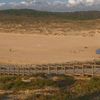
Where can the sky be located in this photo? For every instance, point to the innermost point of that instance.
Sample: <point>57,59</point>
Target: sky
<point>51,5</point>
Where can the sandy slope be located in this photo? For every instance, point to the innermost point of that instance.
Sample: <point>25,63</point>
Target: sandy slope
<point>19,48</point>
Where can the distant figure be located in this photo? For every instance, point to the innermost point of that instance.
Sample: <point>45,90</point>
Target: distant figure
<point>98,51</point>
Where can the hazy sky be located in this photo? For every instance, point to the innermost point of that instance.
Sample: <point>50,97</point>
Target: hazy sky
<point>52,5</point>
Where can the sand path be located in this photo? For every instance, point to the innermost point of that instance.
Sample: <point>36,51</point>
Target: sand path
<point>36,49</point>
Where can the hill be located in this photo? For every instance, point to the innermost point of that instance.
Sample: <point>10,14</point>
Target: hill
<point>39,22</point>
<point>82,15</point>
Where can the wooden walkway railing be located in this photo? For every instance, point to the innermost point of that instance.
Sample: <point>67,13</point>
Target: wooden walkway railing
<point>67,69</point>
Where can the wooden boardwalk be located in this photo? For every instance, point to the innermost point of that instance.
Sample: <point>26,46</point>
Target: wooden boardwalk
<point>67,69</point>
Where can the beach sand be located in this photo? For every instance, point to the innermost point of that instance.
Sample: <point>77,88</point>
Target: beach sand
<point>40,49</point>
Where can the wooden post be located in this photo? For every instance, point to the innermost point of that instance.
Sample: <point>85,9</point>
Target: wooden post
<point>48,69</point>
<point>29,71</point>
<point>19,70</point>
<point>35,69</point>
<point>9,70</point>
<point>56,69</point>
<point>41,69</point>
<point>0,70</point>
<point>23,71</point>
<point>64,69</point>
<point>73,70</point>
<point>32,69</point>
<point>83,72</point>
<point>92,70</point>
<point>14,70</point>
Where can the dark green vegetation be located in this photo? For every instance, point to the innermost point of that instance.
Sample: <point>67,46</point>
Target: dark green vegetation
<point>36,22</point>
<point>60,87</point>
<point>82,15</point>
<point>36,82</point>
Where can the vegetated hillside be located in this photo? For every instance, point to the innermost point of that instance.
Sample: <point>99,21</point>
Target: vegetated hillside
<point>82,15</point>
<point>37,22</point>
<point>49,87</point>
